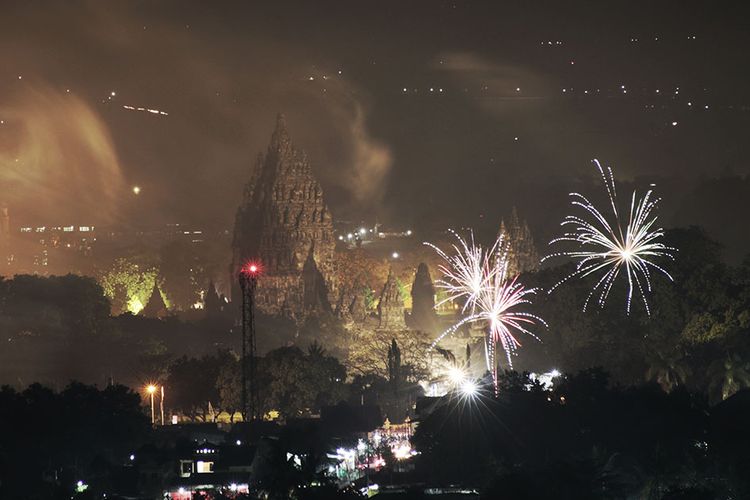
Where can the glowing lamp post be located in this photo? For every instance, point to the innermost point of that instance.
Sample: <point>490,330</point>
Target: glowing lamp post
<point>248,281</point>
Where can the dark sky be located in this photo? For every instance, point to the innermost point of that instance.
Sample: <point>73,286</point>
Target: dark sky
<point>423,114</point>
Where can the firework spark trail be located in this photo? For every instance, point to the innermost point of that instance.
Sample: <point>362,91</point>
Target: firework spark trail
<point>148,110</point>
<point>604,246</point>
<point>502,309</point>
<point>481,278</point>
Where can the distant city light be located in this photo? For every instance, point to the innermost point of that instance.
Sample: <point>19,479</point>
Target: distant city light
<point>394,255</point>
<point>136,190</point>
<point>362,230</point>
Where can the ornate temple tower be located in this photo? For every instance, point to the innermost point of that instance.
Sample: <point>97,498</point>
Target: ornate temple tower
<point>522,253</point>
<point>391,305</point>
<point>284,224</point>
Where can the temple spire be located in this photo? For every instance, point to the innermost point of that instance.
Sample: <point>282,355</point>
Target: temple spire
<point>155,307</point>
<point>280,140</point>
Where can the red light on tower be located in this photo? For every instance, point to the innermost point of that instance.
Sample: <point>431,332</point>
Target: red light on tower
<point>248,281</point>
<point>252,268</point>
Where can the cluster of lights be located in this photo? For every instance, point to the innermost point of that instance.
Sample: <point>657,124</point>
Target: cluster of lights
<point>461,381</point>
<point>547,379</point>
<point>433,90</point>
<point>361,233</point>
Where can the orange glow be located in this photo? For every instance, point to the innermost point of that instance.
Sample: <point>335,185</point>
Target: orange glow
<point>151,388</point>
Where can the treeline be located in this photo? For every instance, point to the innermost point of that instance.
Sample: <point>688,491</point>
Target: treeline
<point>587,439</point>
<point>51,440</point>
<point>291,383</point>
<point>59,328</point>
<point>697,334</point>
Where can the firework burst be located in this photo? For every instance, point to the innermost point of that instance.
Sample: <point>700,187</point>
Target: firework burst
<point>479,277</point>
<point>607,250</point>
<point>464,273</point>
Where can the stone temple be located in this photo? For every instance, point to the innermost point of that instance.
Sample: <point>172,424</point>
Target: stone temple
<point>522,253</point>
<point>284,225</point>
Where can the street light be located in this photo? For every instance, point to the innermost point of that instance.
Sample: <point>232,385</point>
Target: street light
<point>151,389</point>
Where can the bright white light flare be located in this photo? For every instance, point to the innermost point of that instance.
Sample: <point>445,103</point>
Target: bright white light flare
<point>469,388</point>
<point>456,375</point>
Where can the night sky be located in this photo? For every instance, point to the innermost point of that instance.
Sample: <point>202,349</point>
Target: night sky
<point>423,114</point>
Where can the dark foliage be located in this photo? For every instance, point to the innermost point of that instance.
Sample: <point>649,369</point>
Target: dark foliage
<point>587,439</point>
<point>50,440</point>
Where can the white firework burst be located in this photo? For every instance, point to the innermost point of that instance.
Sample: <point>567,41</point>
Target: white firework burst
<point>607,250</point>
<point>464,273</point>
<point>480,278</point>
